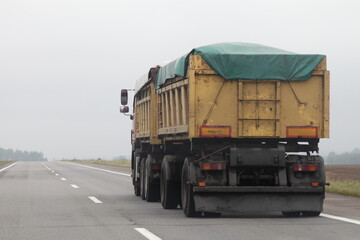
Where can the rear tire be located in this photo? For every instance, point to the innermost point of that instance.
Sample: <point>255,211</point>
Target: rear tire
<point>187,195</point>
<point>169,190</point>
<point>291,214</point>
<point>152,190</point>
<point>136,185</point>
<point>135,179</point>
<point>142,179</point>
<point>310,214</point>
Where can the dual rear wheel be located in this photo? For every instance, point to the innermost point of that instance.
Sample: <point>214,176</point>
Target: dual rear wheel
<point>169,187</point>
<point>187,194</point>
<point>174,193</point>
<point>148,190</point>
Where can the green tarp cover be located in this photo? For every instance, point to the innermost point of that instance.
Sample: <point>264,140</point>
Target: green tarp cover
<point>246,61</point>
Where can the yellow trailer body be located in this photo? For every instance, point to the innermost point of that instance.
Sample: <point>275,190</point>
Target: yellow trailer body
<point>204,102</point>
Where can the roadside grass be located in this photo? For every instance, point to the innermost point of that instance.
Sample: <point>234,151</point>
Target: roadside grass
<point>5,162</point>
<point>349,189</point>
<point>343,179</point>
<point>121,163</point>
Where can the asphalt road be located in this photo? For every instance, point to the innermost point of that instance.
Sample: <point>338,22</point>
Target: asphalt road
<point>57,200</point>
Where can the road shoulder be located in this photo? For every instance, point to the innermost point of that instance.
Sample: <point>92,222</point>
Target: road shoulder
<point>342,206</point>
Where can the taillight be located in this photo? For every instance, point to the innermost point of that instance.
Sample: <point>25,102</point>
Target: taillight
<point>302,132</point>
<point>202,184</point>
<point>215,131</point>
<point>305,168</point>
<point>155,166</point>
<point>213,166</point>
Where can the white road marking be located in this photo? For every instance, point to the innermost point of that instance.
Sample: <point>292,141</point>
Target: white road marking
<point>104,170</point>
<point>146,233</point>
<point>56,174</point>
<point>45,166</point>
<point>74,186</point>
<point>64,179</point>
<point>52,171</point>
<point>95,200</point>
<point>348,220</point>
<point>3,169</point>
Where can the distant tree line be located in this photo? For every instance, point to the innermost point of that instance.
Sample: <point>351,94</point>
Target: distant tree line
<point>121,157</point>
<point>17,155</point>
<point>344,158</point>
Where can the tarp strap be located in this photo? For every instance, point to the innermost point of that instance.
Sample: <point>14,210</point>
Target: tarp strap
<point>296,97</point>
<point>213,104</point>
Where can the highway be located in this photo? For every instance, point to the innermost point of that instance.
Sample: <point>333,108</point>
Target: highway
<point>59,200</point>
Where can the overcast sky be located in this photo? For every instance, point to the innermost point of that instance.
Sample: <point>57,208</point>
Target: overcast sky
<point>63,62</point>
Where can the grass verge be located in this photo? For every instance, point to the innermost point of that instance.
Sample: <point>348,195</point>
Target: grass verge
<point>121,163</point>
<point>344,188</point>
<point>5,162</point>
<point>343,179</point>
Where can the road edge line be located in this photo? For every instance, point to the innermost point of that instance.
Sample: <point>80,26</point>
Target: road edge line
<point>343,219</point>
<point>3,169</point>
<point>99,169</point>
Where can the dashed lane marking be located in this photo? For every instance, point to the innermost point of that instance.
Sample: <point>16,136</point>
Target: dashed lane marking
<point>74,186</point>
<point>94,199</point>
<point>64,179</point>
<point>46,166</point>
<point>146,233</point>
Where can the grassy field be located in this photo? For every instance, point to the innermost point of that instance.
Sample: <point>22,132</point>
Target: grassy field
<point>121,163</point>
<point>5,162</point>
<point>343,179</point>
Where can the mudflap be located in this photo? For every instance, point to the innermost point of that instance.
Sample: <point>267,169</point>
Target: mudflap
<point>258,202</point>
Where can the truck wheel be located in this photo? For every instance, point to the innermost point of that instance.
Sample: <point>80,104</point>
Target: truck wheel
<point>291,214</point>
<point>135,179</point>
<point>136,185</point>
<point>152,190</point>
<point>142,179</point>
<point>187,195</point>
<point>310,214</point>
<point>169,190</point>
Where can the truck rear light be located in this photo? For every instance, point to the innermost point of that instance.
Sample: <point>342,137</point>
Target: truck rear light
<point>215,131</point>
<point>213,166</point>
<point>305,168</point>
<point>302,132</point>
<point>202,184</point>
<point>155,166</point>
<point>315,184</point>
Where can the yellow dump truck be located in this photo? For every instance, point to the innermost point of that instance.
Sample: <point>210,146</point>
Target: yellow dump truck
<point>231,128</point>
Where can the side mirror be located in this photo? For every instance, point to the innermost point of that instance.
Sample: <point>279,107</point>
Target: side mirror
<point>124,109</point>
<point>124,97</point>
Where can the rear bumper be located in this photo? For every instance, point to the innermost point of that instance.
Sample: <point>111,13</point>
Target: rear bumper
<point>255,189</point>
<point>258,199</point>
